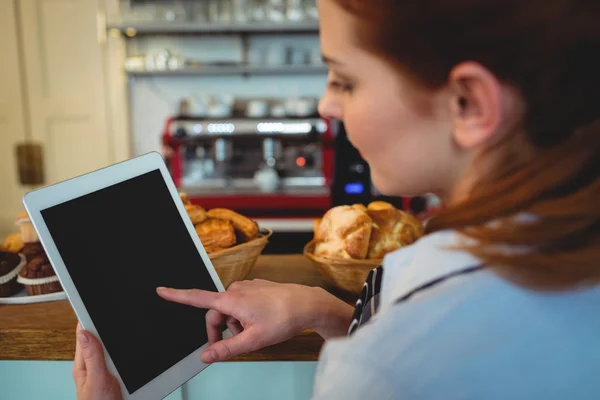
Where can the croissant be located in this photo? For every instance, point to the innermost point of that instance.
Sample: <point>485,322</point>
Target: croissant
<point>196,214</point>
<point>244,226</point>
<point>361,232</point>
<point>344,232</point>
<point>392,229</point>
<point>216,234</point>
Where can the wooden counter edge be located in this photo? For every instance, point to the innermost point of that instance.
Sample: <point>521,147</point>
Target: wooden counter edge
<point>59,345</point>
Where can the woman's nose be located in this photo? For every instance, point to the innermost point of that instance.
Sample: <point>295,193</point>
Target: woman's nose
<point>329,108</point>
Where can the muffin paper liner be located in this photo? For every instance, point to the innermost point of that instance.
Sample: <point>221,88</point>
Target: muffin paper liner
<point>11,275</point>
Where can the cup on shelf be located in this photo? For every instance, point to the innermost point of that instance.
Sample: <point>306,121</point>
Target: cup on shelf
<point>175,12</point>
<point>290,107</point>
<point>161,60</point>
<point>135,63</point>
<point>306,107</point>
<point>294,11</point>
<point>176,62</point>
<point>275,11</point>
<point>219,111</point>
<point>311,12</point>
<point>240,11</point>
<point>256,11</point>
<point>257,109</point>
<point>277,110</point>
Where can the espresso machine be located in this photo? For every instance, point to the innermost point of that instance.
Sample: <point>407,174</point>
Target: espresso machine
<point>262,166</point>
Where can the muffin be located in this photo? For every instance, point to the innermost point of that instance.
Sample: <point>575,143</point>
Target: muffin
<point>11,265</point>
<point>28,233</point>
<point>31,250</point>
<point>39,277</point>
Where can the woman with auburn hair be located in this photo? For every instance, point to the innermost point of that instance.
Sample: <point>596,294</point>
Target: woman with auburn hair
<point>494,105</point>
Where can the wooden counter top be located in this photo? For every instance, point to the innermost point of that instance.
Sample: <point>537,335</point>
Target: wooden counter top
<point>46,331</point>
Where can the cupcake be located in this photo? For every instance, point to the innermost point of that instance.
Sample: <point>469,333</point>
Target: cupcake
<point>28,233</point>
<point>39,277</point>
<point>30,250</point>
<point>11,265</point>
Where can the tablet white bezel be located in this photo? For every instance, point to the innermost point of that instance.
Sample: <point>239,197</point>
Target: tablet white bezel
<point>42,199</point>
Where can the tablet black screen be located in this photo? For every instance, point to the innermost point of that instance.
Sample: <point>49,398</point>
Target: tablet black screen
<point>119,244</point>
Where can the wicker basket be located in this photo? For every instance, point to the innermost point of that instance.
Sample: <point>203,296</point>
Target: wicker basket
<point>346,274</point>
<point>235,263</point>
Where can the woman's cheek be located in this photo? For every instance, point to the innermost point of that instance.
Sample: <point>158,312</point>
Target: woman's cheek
<point>357,129</point>
<point>364,135</point>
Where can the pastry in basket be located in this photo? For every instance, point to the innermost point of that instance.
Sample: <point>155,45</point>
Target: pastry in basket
<point>216,234</point>
<point>316,226</point>
<point>39,277</point>
<point>244,227</point>
<point>10,266</point>
<point>392,229</point>
<point>344,232</point>
<point>379,205</point>
<point>359,232</point>
<point>197,214</point>
<point>360,207</point>
<point>317,222</point>
<point>184,198</point>
<point>13,243</point>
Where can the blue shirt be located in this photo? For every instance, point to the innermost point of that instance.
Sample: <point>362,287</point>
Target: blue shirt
<point>473,336</point>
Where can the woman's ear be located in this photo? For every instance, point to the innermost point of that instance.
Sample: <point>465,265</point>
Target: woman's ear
<point>477,106</point>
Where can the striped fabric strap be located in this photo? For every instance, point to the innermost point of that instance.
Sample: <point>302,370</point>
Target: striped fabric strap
<point>368,302</point>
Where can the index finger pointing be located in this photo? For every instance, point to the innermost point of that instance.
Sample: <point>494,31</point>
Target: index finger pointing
<point>194,297</point>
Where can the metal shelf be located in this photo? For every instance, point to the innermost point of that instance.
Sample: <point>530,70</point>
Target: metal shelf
<point>235,70</point>
<point>207,28</point>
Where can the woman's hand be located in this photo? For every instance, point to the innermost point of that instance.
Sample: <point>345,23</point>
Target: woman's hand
<point>92,378</point>
<point>261,313</point>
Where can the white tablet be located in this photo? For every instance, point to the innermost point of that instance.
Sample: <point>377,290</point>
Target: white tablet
<point>113,237</point>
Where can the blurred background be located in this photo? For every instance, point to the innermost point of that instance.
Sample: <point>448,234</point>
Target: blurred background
<point>226,90</point>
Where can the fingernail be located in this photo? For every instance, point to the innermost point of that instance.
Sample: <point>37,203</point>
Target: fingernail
<point>209,356</point>
<point>161,288</point>
<point>82,338</point>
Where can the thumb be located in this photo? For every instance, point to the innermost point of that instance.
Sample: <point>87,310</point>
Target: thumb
<point>91,353</point>
<point>228,348</point>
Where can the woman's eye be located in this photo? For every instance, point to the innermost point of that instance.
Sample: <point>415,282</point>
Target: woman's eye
<point>340,87</point>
